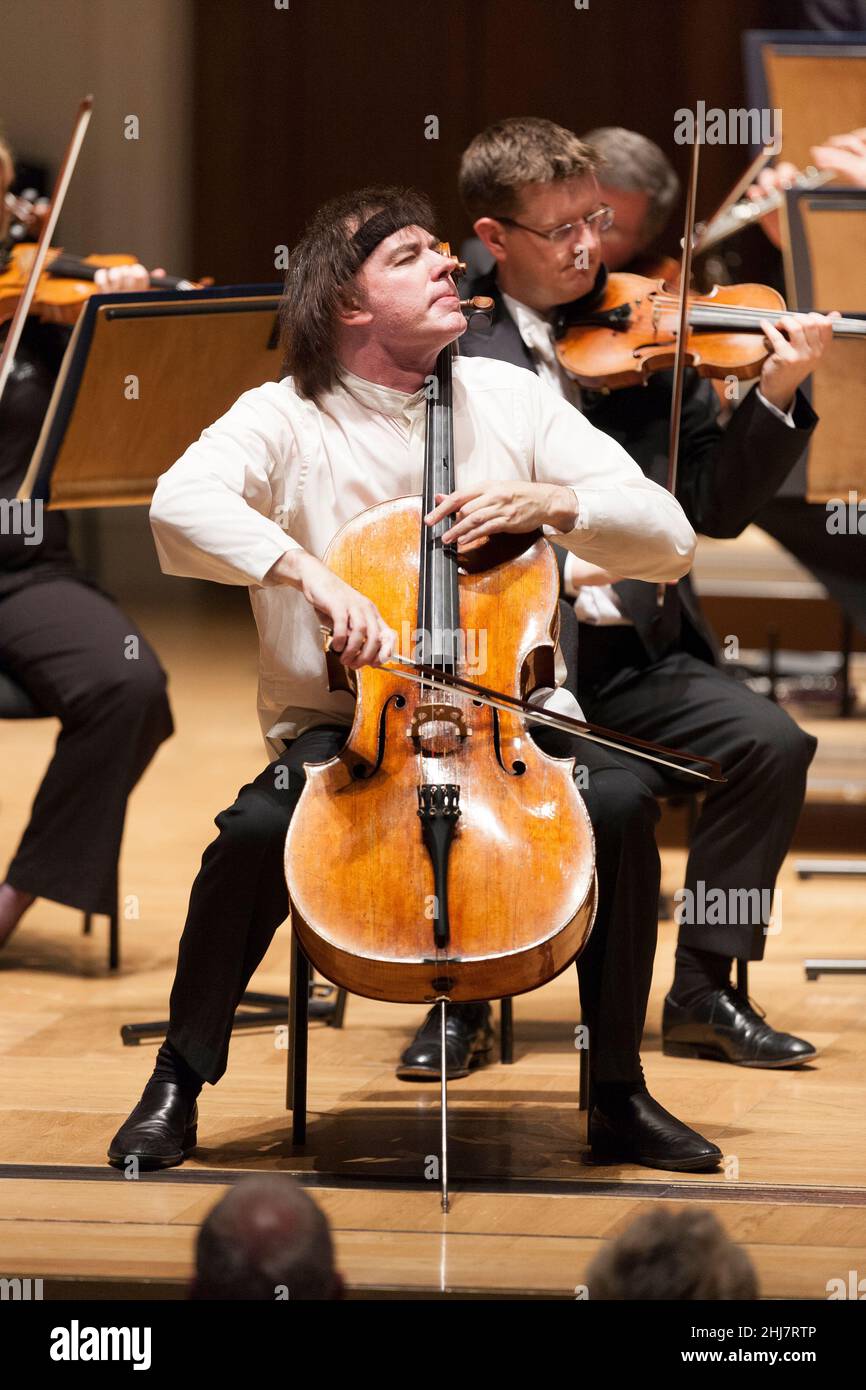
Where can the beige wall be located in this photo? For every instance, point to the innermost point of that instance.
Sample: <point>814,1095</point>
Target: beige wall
<point>134,57</point>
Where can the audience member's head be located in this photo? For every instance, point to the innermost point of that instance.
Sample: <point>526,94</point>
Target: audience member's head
<point>266,1239</point>
<point>682,1254</point>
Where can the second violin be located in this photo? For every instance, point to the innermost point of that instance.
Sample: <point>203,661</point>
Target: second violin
<point>631,331</point>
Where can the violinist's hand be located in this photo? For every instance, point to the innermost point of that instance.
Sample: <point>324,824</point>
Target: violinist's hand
<point>798,344</point>
<point>780,176</point>
<point>361,637</point>
<point>124,279</point>
<point>504,506</point>
<point>845,155</point>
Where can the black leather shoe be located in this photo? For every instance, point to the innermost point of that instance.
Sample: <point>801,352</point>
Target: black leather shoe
<point>725,1028</point>
<point>160,1132</point>
<point>642,1131</point>
<point>468,1040</point>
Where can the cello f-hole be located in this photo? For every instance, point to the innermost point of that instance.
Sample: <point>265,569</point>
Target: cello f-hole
<point>518,767</point>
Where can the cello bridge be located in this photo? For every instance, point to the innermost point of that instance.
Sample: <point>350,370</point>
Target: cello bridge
<point>438,727</point>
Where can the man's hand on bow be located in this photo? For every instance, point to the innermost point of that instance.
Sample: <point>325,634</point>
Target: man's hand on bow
<point>361,637</point>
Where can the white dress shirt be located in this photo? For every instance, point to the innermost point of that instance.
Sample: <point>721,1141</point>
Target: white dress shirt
<point>593,603</point>
<point>279,471</point>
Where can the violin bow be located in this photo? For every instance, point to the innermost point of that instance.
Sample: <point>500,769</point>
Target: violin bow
<point>432,677</point>
<point>22,309</point>
<point>682,336</point>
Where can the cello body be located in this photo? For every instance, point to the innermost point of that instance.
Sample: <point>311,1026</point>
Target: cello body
<point>441,853</point>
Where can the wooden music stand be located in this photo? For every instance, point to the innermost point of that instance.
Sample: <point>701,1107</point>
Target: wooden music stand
<point>817,81</point>
<point>824,250</point>
<point>142,377</point>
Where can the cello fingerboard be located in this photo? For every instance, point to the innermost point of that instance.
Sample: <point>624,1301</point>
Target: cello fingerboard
<point>438,592</point>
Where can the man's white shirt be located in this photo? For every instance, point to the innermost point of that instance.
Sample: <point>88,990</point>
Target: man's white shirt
<point>279,471</point>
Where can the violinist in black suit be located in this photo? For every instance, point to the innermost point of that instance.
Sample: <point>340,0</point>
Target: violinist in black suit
<point>72,650</point>
<point>530,188</point>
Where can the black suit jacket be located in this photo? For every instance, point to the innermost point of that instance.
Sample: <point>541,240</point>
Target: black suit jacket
<point>724,476</point>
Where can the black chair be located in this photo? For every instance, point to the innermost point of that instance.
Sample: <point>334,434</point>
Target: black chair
<point>299,1016</point>
<point>300,1012</point>
<point>15,703</point>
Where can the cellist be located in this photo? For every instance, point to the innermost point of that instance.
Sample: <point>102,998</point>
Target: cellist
<point>369,303</point>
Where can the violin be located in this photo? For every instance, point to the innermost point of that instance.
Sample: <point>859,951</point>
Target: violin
<point>632,331</point>
<point>66,283</point>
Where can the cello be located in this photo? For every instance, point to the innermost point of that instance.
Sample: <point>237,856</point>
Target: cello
<point>440,809</point>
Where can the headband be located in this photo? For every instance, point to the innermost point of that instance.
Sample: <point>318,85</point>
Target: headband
<point>379,227</point>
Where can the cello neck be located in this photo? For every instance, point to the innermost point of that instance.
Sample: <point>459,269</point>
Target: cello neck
<point>438,592</point>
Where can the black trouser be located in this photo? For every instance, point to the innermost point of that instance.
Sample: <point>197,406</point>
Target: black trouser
<point>66,644</point>
<point>239,899</point>
<point>745,827</point>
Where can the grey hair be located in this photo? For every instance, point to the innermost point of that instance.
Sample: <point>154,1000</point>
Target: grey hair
<point>635,164</point>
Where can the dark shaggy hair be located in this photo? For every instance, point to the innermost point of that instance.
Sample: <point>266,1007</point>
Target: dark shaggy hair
<point>321,269</point>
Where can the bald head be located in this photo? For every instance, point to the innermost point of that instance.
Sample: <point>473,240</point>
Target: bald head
<point>266,1239</point>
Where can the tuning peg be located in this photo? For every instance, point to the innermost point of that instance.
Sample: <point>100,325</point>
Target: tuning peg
<point>478,311</point>
<point>479,304</point>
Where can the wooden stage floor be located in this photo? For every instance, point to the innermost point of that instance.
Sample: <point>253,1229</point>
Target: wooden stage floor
<point>527,1215</point>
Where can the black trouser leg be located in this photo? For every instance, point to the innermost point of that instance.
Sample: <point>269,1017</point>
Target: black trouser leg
<point>85,661</point>
<point>746,825</point>
<point>238,900</point>
<point>615,967</point>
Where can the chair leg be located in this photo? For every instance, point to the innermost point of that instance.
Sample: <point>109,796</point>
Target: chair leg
<point>114,941</point>
<point>299,999</point>
<point>506,1032</point>
<point>743,977</point>
<point>113,936</point>
<point>846,694</point>
<point>336,1019</point>
<point>584,1084</point>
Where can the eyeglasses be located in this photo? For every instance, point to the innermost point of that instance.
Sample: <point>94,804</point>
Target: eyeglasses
<point>596,222</point>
